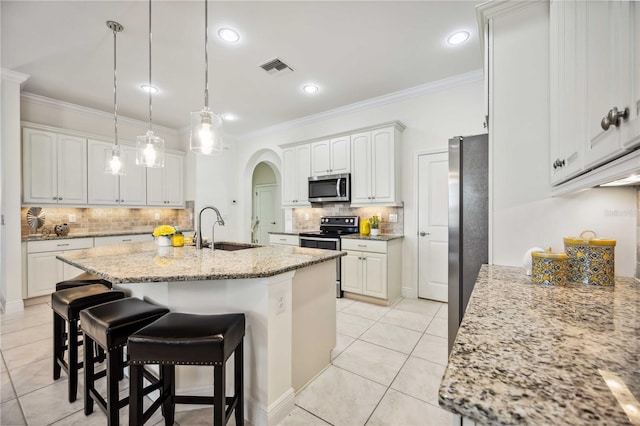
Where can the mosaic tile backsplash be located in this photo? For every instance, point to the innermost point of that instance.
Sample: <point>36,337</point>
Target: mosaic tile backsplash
<point>308,219</point>
<point>90,220</point>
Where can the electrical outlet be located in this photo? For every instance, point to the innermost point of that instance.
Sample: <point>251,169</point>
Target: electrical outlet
<point>72,218</point>
<point>393,218</point>
<point>156,216</point>
<point>306,216</point>
<point>281,305</point>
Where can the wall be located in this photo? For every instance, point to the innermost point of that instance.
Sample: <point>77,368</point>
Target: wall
<point>523,213</point>
<point>308,219</point>
<point>263,175</point>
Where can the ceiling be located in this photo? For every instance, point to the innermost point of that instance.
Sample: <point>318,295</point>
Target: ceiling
<point>352,50</point>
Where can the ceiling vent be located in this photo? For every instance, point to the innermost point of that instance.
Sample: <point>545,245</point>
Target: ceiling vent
<point>276,67</point>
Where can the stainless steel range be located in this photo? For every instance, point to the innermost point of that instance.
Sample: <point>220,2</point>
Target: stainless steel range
<point>328,237</point>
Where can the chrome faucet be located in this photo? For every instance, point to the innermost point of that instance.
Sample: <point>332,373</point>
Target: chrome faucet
<point>219,220</point>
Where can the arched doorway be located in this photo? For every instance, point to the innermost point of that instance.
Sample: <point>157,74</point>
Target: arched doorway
<point>265,206</point>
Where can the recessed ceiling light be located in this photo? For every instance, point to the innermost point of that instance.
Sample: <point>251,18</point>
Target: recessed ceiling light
<point>147,88</point>
<point>229,117</point>
<point>310,88</point>
<point>458,38</point>
<point>227,34</point>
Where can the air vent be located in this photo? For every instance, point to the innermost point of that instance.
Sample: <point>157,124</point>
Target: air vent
<point>276,66</point>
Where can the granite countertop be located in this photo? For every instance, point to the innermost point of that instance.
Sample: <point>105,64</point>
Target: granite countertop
<point>53,236</point>
<point>285,233</point>
<point>534,354</point>
<point>381,237</point>
<point>146,262</point>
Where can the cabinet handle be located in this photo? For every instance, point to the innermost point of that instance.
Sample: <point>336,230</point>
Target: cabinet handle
<point>615,116</point>
<point>283,239</point>
<point>424,234</point>
<point>362,245</point>
<point>59,198</point>
<point>62,245</point>
<point>54,198</point>
<point>558,163</point>
<point>126,239</point>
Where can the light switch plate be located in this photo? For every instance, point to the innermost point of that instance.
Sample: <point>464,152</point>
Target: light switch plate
<point>156,216</point>
<point>393,218</point>
<point>72,218</point>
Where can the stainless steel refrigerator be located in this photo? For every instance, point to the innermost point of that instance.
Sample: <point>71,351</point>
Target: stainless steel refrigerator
<point>468,221</point>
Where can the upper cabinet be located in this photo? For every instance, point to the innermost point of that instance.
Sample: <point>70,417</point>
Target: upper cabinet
<point>54,168</point>
<point>332,156</point>
<point>295,176</point>
<point>165,186</point>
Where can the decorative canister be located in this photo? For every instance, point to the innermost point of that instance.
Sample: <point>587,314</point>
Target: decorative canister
<point>591,260</point>
<point>365,227</point>
<point>61,230</point>
<point>178,239</point>
<point>549,268</point>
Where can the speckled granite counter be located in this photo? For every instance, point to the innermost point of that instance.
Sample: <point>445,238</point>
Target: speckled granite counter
<point>53,236</point>
<point>285,233</point>
<point>540,355</point>
<point>146,262</point>
<point>381,237</point>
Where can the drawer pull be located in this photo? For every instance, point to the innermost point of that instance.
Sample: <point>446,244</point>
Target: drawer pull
<point>126,239</point>
<point>362,245</point>
<point>283,239</point>
<point>62,245</point>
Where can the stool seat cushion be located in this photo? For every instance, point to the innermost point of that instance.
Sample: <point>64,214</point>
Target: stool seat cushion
<point>63,285</point>
<point>68,303</point>
<point>110,324</point>
<point>187,339</point>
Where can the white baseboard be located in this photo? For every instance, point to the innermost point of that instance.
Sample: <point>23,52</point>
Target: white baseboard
<point>13,306</point>
<point>409,292</point>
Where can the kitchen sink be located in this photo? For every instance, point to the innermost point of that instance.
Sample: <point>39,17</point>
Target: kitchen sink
<point>229,247</point>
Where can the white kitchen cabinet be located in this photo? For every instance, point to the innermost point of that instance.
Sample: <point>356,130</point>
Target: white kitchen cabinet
<point>284,240</point>
<point>372,268</point>
<point>165,186</point>
<point>44,270</point>
<point>126,190</point>
<point>122,239</point>
<point>296,169</point>
<point>54,168</point>
<point>375,167</point>
<point>332,156</point>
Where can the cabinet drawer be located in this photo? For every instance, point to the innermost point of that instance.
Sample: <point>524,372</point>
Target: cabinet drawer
<point>284,240</point>
<point>120,239</point>
<point>59,245</point>
<point>364,245</point>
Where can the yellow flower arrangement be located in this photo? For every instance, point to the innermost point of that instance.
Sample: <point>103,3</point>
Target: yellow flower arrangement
<point>164,231</point>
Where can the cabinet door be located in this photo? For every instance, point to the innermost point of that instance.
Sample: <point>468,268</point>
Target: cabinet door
<point>174,180</point>
<point>103,188</point>
<point>69,272</point>
<point>361,168</point>
<point>631,129</point>
<point>303,170</point>
<point>351,272</point>
<point>375,275</point>
<point>155,186</point>
<point>39,167</point>
<point>320,158</point>
<point>383,167</point>
<point>341,155</point>
<point>72,170</point>
<point>133,185</point>
<point>44,271</point>
<point>289,177</point>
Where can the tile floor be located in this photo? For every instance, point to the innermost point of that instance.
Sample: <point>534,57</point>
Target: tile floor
<point>386,370</point>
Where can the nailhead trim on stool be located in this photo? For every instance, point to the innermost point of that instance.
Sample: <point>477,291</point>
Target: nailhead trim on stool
<point>66,306</point>
<point>188,339</point>
<point>109,325</point>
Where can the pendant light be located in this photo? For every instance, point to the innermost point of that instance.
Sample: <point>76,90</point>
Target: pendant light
<point>114,164</point>
<point>149,147</point>
<point>206,126</point>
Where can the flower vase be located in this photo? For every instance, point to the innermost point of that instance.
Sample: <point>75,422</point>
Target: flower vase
<point>164,241</point>
<point>375,232</point>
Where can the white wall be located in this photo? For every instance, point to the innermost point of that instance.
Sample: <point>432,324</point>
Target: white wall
<point>524,215</point>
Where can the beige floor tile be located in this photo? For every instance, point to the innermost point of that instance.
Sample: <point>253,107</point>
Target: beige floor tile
<point>342,303</point>
<point>26,354</point>
<point>6,389</point>
<point>28,335</point>
<point>351,325</point>
<point>20,323</point>
<point>438,327</point>
<point>27,312</point>
<point>392,337</point>
<point>432,348</point>
<point>341,398</point>
<point>399,409</point>
<point>406,319</point>
<point>420,379</point>
<point>10,414</point>
<point>50,404</point>
<point>419,306</point>
<point>342,342</point>
<point>197,417</point>
<point>34,376</point>
<point>366,310</point>
<point>3,367</point>
<point>299,417</point>
<point>443,312</point>
<point>371,361</point>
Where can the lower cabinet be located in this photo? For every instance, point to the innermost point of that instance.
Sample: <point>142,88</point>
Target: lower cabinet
<point>120,239</point>
<point>284,240</point>
<point>372,268</point>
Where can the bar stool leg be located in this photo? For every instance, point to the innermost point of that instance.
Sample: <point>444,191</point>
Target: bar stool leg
<point>72,342</point>
<point>89,372</point>
<point>113,365</point>
<point>135,396</point>
<point>238,367</point>
<point>219,397</point>
<point>58,343</point>
<point>168,378</point>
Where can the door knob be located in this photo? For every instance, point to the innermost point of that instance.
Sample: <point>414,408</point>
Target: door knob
<point>616,116</point>
<point>423,234</point>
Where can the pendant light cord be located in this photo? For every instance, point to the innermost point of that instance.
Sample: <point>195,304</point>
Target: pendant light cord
<point>115,88</point>
<point>206,54</point>
<point>150,86</point>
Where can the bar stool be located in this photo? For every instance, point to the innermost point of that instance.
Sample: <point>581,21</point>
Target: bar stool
<point>66,306</point>
<point>187,339</point>
<point>108,326</point>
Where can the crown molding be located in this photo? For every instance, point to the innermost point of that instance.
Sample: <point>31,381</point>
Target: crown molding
<point>424,89</point>
<point>58,104</point>
<point>14,76</point>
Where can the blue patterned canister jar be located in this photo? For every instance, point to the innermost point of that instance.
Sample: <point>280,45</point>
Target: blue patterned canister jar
<point>549,268</point>
<point>591,260</point>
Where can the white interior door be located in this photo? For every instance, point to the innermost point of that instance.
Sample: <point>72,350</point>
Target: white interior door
<point>433,221</point>
<point>266,203</point>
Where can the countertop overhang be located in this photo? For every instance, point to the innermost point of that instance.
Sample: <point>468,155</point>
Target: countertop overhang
<point>146,262</point>
<point>534,354</point>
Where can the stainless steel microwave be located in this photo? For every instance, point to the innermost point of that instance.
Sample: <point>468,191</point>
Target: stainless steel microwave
<point>328,188</point>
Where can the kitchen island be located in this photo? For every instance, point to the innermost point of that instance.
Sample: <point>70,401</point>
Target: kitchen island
<point>533,354</point>
<point>286,293</point>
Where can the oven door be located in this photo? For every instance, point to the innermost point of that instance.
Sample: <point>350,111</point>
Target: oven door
<point>326,244</point>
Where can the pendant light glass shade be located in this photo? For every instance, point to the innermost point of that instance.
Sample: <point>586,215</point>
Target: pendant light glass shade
<point>149,147</point>
<point>114,164</point>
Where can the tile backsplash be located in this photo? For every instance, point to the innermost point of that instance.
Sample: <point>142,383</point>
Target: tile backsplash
<point>89,220</point>
<point>308,219</point>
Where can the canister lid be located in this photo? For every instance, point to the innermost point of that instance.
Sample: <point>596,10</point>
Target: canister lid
<point>584,240</point>
<point>548,255</point>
